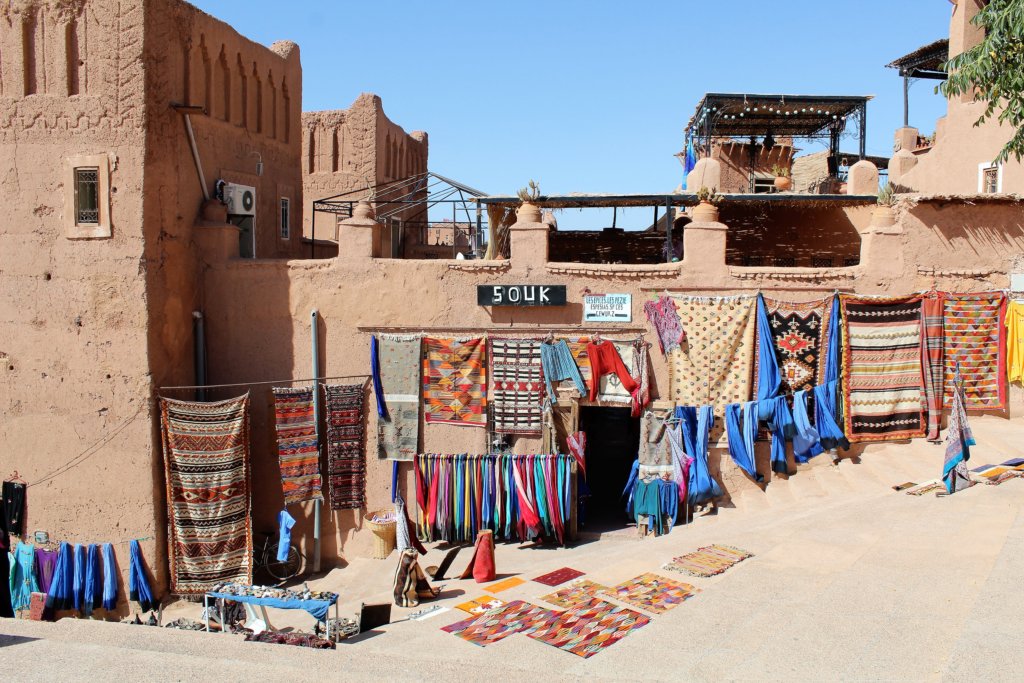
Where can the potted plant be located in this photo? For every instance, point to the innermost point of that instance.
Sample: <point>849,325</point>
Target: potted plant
<point>783,183</point>
<point>529,211</point>
<point>707,210</point>
<point>883,215</point>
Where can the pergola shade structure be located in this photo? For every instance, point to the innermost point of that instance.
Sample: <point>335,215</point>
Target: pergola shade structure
<point>759,119</point>
<point>928,61</point>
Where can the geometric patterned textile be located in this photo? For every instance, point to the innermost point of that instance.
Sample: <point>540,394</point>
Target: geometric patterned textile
<point>206,460</point>
<point>800,338</point>
<point>932,365</point>
<point>517,391</point>
<point>559,576</point>
<point>296,444</point>
<point>708,561</point>
<point>975,336</point>
<point>712,367</point>
<point>346,458</point>
<point>485,603</point>
<point>578,349</point>
<point>579,591</point>
<point>651,592</point>
<point>513,617</point>
<point>398,432</point>
<point>455,381</point>
<point>882,380</point>
<point>588,627</point>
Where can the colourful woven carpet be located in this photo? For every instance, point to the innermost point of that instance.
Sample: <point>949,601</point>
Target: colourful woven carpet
<point>485,603</point>
<point>513,617</point>
<point>346,457</point>
<point>297,449</point>
<point>927,487</point>
<point>932,363</point>
<point>580,591</point>
<point>713,365</point>
<point>800,338</point>
<point>517,392</point>
<point>206,458</point>
<point>652,592</point>
<point>883,388</point>
<point>708,561</point>
<point>588,627</point>
<point>398,432</point>
<point>559,576</point>
<point>505,584</point>
<point>455,381</point>
<point>975,336</point>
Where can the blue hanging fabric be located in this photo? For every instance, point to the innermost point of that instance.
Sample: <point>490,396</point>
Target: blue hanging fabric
<point>109,577</point>
<point>378,392</point>
<point>669,502</point>
<point>690,160</point>
<point>737,443</point>
<point>138,584</point>
<point>628,492</point>
<point>394,481</point>
<point>834,344</point>
<point>701,486</point>
<point>780,423</point>
<point>93,590</point>
<point>688,423</point>
<point>750,434</point>
<point>78,582</point>
<point>829,432</point>
<point>59,596</point>
<point>806,443</point>
<point>769,379</point>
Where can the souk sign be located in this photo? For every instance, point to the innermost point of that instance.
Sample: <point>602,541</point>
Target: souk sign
<point>520,295</point>
<point>608,308</point>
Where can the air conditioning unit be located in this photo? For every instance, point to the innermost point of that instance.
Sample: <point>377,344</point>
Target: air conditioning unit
<point>241,199</point>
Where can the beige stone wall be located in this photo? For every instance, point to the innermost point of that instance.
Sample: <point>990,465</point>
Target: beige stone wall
<point>735,160</point>
<point>271,339</point>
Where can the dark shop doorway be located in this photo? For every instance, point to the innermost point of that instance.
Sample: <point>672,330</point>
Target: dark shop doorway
<point>613,437</point>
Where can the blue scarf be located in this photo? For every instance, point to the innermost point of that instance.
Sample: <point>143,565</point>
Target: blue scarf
<point>780,422</point>
<point>78,583</point>
<point>630,489</point>
<point>93,590</point>
<point>109,578</point>
<point>769,379</point>
<point>378,392</point>
<point>59,596</point>
<point>688,422</point>
<point>743,458</point>
<point>750,432</point>
<point>138,584</point>
<point>829,431</point>
<point>669,502</point>
<point>701,486</point>
<point>806,443</point>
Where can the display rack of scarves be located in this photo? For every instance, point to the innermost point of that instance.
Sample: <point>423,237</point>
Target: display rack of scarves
<point>518,497</point>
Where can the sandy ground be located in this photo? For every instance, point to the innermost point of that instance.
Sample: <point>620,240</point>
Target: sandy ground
<point>850,581</point>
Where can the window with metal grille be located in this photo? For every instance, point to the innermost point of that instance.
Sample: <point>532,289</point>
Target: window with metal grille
<point>851,261</point>
<point>785,262</point>
<point>286,230</point>
<point>990,180</point>
<point>821,261</point>
<point>753,261</point>
<point>87,196</point>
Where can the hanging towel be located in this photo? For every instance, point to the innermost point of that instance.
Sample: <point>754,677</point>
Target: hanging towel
<point>780,423</point>
<point>769,379</point>
<point>701,486</point>
<point>829,432</point>
<point>743,458</point>
<point>93,593</point>
<point>60,595</point>
<point>110,574</point>
<point>138,584</point>
<point>806,443</point>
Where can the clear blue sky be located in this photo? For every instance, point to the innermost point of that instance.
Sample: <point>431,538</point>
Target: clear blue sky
<point>590,96</point>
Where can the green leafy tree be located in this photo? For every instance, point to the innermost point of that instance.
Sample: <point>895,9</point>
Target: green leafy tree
<point>993,70</point>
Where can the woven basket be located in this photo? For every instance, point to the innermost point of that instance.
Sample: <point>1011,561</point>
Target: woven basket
<point>384,534</point>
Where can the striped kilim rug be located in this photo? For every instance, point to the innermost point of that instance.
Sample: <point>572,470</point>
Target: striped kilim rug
<point>574,594</point>
<point>975,336</point>
<point>517,390</point>
<point>708,561</point>
<point>883,386</point>
<point>512,617</point>
<point>588,627</point>
<point>297,449</point>
<point>346,456</point>
<point>652,592</point>
<point>206,459</point>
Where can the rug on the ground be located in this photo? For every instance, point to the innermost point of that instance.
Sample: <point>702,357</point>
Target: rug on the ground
<point>346,457</point>
<point>455,381</point>
<point>297,450</point>
<point>207,470</point>
<point>559,576</point>
<point>934,486</point>
<point>708,561</point>
<point>800,338</point>
<point>517,390</point>
<point>505,584</point>
<point>485,603</point>
<point>488,628</point>
<point>574,594</point>
<point>975,337</point>
<point>651,592</point>
<point>883,386</point>
<point>398,431</point>
<point>713,365</point>
<point>588,627</point>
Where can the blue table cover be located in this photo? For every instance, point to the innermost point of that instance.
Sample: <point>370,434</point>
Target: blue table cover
<point>317,608</point>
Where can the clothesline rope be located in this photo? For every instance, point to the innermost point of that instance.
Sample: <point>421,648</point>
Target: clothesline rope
<point>253,384</point>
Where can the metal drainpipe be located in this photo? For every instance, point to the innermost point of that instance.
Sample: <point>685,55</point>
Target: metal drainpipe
<point>195,156</point>
<point>199,352</point>
<point>317,412</point>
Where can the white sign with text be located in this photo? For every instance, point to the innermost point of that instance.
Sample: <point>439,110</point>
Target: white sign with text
<point>608,308</point>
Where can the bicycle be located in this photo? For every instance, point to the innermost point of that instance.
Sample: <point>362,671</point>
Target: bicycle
<point>265,559</point>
